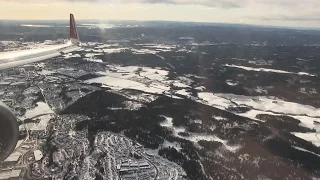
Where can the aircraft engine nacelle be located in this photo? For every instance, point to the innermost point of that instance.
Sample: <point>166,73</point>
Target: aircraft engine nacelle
<point>9,131</point>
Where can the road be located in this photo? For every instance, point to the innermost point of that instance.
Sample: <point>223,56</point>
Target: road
<point>157,171</point>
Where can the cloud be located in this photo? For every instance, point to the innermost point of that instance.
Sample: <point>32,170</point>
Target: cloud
<point>219,3</point>
<point>209,3</point>
<point>293,13</point>
<point>225,4</point>
<point>287,18</point>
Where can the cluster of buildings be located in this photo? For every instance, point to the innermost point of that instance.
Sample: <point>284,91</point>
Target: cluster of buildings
<point>134,170</point>
<point>15,166</point>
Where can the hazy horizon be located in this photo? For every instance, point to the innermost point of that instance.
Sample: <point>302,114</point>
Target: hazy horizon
<point>106,21</point>
<point>285,13</point>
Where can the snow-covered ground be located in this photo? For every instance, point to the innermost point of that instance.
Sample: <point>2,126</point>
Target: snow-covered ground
<point>145,79</point>
<point>42,108</point>
<point>195,137</point>
<point>264,105</point>
<point>267,70</point>
<point>301,149</point>
<point>155,81</point>
<point>42,112</point>
<point>231,83</point>
<point>269,105</point>
<point>38,155</point>
<point>167,123</point>
<point>272,105</point>
<point>311,137</point>
<point>93,60</point>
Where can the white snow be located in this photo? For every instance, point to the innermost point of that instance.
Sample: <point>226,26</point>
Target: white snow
<point>6,43</point>
<point>212,128</point>
<point>106,46</point>
<point>46,72</point>
<point>154,74</point>
<point>273,105</point>
<point>154,80</point>
<point>195,137</point>
<point>198,121</point>
<point>93,60</point>
<point>5,83</point>
<point>308,122</point>
<point>231,83</point>
<point>42,108</point>
<point>91,43</point>
<point>198,137</point>
<point>42,125</point>
<point>300,59</point>
<point>185,80</point>
<point>181,85</point>
<point>38,155</point>
<point>186,38</point>
<point>263,105</point>
<point>72,133</point>
<point>219,118</point>
<point>144,51</point>
<point>18,83</point>
<point>267,70</point>
<point>160,47</point>
<point>92,54</point>
<point>260,90</point>
<point>43,112</point>
<point>253,113</point>
<point>19,143</point>
<point>183,92</point>
<point>151,80</point>
<point>116,83</point>
<point>311,137</point>
<point>113,50</point>
<point>195,76</point>
<point>167,123</point>
<point>133,105</point>
<point>200,88</point>
<point>143,97</point>
<point>14,157</point>
<point>214,100</point>
<point>304,150</point>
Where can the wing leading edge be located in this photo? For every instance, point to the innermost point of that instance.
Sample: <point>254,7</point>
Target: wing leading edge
<point>18,58</point>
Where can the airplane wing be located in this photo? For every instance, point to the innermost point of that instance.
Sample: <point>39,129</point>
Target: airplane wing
<point>17,58</point>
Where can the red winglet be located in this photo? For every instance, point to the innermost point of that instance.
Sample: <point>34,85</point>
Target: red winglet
<point>74,37</point>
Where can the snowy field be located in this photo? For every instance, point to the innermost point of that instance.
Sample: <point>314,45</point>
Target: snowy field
<point>155,81</point>
<point>195,137</point>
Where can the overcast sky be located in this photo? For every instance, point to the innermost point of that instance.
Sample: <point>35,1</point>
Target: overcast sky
<point>292,13</point>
